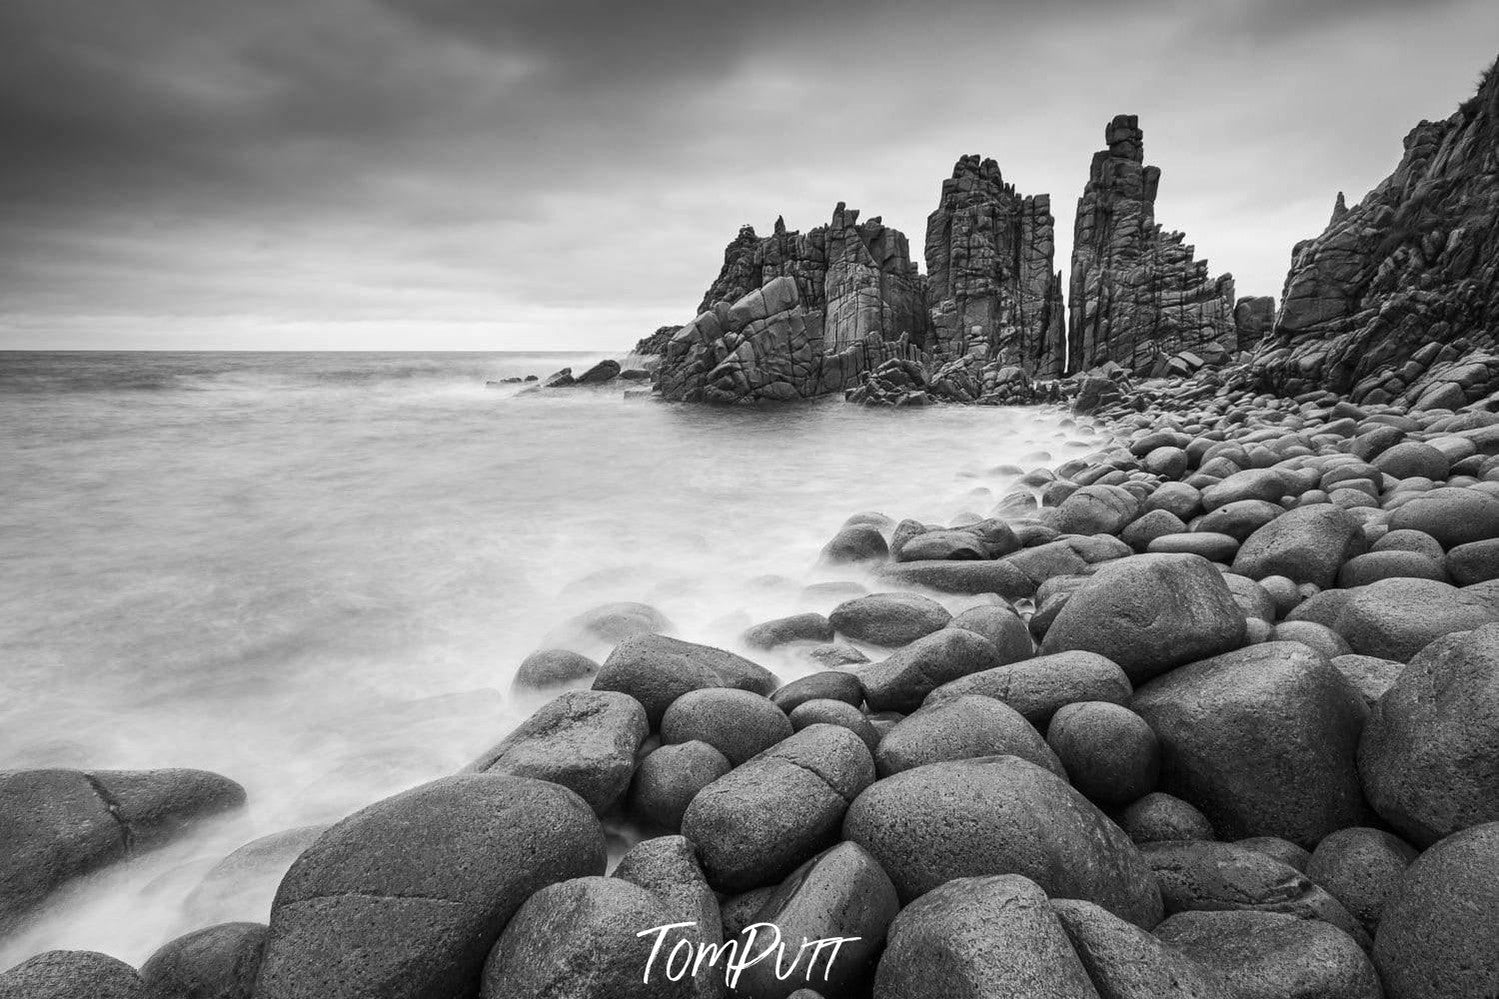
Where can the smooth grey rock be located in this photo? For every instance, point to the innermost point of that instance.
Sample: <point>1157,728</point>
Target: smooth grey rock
<point>669,778</point>
<point>1109,752</point>
<point>759,822</point>
<point>403,899</point>
<point>1397,618</point>
<point>1429,758</point>
<point>1200,875</point>
<point>216,962</point>
<point>902,681</point>
<point>962,728</point>
<point>1436,937</point>
<point>832,685</point>
<point>578,939</point>
<point>1262,740</point>
<point>584,740</point>
<point>1000,815</point>
<point>737,723</point>
<point>987,937</point>
<point>656,670</point>
<point>1038,687</point>
<point>1307,545</point>
<point>61,824</point>
<point>553,669</point>
<point>72,974</point>
<point>1269,955</point>
<point>840,893</point>
<point>1125,962</point>
<point>782,631</point>
<point>1002,627</point>
<point>889,619</point>
<point>667,867</point>
<point>1159,816</point>
<point>1150,614</point>
<point>1361,868</point>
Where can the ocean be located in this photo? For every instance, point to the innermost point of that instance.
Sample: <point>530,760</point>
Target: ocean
<point>316,573</point>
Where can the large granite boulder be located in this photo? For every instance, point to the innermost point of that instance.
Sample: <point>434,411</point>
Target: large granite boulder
<point>73,974</point>
<point>1428,758</point>
<point>1150,614</point>
<point>216,962</point>
<point>1306,545</point>
<point>582,939</point>
<point>1125,962</point>
<point>1262,739</point>
<point>1197,875</point>
<point>760,821</point>
<point>667,867</point>
<point>404,899</point>
<point>655,670</point>
<point>840,893</point>
<point>902,680</point>
<point>1039,687</point>
<point>585,740</point>
<point>57,825</point>
<point>1137,293</point>
<point>1397,618</point>
<point>990,937</point>
<point>1000,815</point>
<point>1271,955</point>
<point>1436,938</point>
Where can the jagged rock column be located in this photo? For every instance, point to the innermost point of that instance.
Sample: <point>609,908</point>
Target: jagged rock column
<point>991,282</point>
<point>1136,292</point>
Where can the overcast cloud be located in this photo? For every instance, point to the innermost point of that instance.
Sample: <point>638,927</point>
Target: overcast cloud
<point>518,174</point>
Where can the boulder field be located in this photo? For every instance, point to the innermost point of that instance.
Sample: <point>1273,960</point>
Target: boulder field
<point>1223,724</point>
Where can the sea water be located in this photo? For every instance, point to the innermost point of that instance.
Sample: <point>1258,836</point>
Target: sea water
<point>316,573</point>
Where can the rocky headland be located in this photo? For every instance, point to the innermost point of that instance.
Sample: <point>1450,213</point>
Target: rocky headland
<point>1210,712</point>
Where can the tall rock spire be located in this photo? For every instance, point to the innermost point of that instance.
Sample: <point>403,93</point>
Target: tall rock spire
<point>1137,293</point>
<point>991,282</point>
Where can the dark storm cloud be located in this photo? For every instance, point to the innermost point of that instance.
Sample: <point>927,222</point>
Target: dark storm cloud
<point>514,173</point>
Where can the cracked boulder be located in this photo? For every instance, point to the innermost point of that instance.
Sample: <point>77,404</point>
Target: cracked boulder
<point>759,822</point>
<point>60,824</point>
<point>585,740</point>
<point>405,898</point>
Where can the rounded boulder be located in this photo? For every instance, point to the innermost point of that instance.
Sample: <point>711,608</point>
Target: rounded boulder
<point>1428,757</point>
<point>404,898</point>
<point>1150,614</point>
<point>1262,739</point>
<point>1000,815</point>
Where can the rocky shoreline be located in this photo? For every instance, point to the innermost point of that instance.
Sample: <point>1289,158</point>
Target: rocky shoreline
<point>1219,722</point>
<point>1218,718</point>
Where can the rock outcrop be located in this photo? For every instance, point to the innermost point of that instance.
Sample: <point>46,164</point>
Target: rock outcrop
<point>793,316</point>
<point>1137,292</point>
<point>655,344</point>
<point>991,283</point>
<point>1254,318</point>
<point>1398,299</point>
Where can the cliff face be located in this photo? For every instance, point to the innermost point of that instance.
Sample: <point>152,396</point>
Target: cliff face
<point>1137,293</point>
<point>1391,301</point>
<point>853,278</point>
<point>989,254</point>
<point>793,315</point>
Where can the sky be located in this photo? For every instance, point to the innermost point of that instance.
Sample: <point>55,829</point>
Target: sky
<point>564,174</point>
